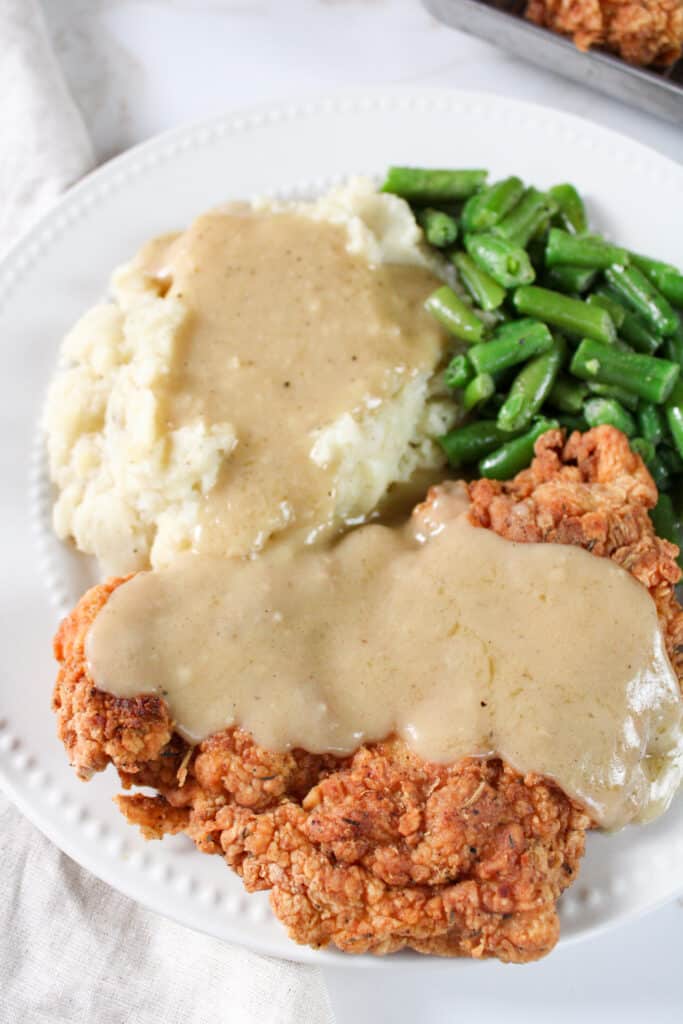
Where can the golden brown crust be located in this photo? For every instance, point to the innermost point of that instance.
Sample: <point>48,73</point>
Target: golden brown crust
<point>96,727</point>
<point>383,850</point>
<point>595,492</point>
<point>643,32</point>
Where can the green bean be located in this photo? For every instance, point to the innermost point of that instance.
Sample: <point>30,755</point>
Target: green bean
<point>530,388</point>
<point>567,394</point>
<point>641,446</point>
<point>642,296</point>
<point>623,395</point>
<point>671,459</point>
<point>674,415</point>
<point>651,422</point>
<point>665,277</point>
<point>570,279</point>
<point>478,390</point>
<point>599,411</point>
<point>486,292</point>
<point>572,210</point>
<point>639,336</point>
<point>646,376</point>
<point>485,209</point>
<point>572,423</point>
<point>506,263</point>
<point>511,344</point>
<point>665,520</point>
<point>673,346</point>
<point>455,315</point>
<point>631,327</point>
<point>572,315</point>
<point>513,456</point>
<point>459,372</point>
<point>660,474</point>
<point>524,219</point>
<point>440,229</point>
<point>420,185</point>
<point>468,444</point>
<point>605,301</point>
<point>588,251</point>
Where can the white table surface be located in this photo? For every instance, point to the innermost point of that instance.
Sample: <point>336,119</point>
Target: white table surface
<point>137,67</point>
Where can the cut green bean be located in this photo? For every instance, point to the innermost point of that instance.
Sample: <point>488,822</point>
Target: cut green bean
<point>600,411</point>
<point>466,445</point>
<point>530,388</point>
<point>632,328</point>
<point>455,315</point>
<point>665,277</point>
<point>671,459</point>
<point>486,292</point>
<point>641,446</point>
<point>459,372</point>
<point>421,185</point>
<point>642,296</point>
<point>571,208</point>
<point>623,395</point>
<point>589,251</point>
<point>521,223</point>
<point>637,333</point>
<point>507,264</point>
<point>478,390</point>
<point>515,455</point>
<point>440,229</point>
<point>660,474</point>
<point>651,423</point>
<point>568,395</point>
<point>665,521</point>
<point>482,211</point>
<point>511,344</point>
<point>572,315</point>
<point>646,376</point>
<point>674,415</point>
<point>673,346</point>
<point>605,301</point>
<point>571,280</point>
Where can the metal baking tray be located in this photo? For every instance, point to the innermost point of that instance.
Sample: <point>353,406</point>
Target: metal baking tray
<point>502,22</point>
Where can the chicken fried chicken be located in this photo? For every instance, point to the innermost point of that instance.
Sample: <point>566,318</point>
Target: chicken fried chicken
<point>643,32</point>
<point>383,850</point>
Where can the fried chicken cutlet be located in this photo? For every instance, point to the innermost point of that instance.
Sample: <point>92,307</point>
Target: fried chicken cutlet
<point>643,32</point>
<point>383,850</point>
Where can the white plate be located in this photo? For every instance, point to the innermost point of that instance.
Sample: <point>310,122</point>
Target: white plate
<point>62,266</point>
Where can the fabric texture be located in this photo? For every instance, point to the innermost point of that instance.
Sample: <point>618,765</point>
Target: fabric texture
<point>76,951</point>
<point>73,950</point>
<point>44,143</point>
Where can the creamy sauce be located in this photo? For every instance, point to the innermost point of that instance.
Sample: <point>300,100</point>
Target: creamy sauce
<point>287,331</point>
<point>459,641</point>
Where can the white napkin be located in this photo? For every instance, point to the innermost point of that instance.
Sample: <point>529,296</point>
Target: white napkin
<point>43,143</point>
<point>72,949</point>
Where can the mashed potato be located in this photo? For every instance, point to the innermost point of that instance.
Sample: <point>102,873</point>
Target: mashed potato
<point>130,490</point>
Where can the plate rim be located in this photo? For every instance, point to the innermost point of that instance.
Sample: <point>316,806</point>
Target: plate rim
<point>118,172</point>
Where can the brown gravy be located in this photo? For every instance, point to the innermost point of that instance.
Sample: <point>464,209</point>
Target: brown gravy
<point>459,641</point>
<point>286,332</point>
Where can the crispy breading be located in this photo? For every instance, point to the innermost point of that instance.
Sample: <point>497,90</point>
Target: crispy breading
<point>383,850</point>
<point>643,32</point>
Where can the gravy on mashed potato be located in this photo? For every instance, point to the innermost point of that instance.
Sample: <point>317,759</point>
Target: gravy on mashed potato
<point>269,370</point>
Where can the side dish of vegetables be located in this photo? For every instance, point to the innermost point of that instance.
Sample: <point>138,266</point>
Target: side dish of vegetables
<point>553,325</point>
